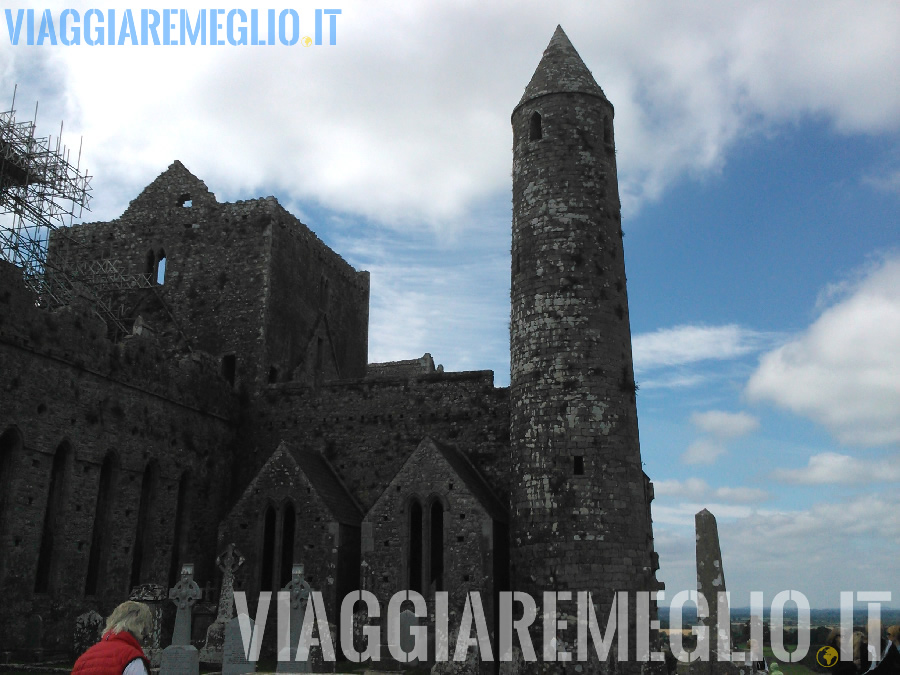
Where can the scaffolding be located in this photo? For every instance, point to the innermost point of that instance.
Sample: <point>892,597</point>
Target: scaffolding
<point>41,193</point>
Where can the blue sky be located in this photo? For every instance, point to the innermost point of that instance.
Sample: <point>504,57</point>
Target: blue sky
<point>758,147</point>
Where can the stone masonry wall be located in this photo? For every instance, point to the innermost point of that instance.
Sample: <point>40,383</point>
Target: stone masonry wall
<point>244,278</point>
<point>64,384</point>
<point>311,284</point>
<point>317,536</point>
<point>368,428</point>
<point>581,516</point>
<point>468,541</point>
<point>216,271</point>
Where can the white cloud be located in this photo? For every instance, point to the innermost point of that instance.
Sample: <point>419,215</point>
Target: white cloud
<point>676,381</point>
<point>889,182</point>
<point>703,451</point>
<point>844,370</point>
<point>834,468</point>
<point>690,344</point>
<point>697,489</point>
<point>829,547</point>
<point>719,426</point>
<point>453,306</point>
<point>691,487</point>
<point>723,424</point>
<point>406,120</point>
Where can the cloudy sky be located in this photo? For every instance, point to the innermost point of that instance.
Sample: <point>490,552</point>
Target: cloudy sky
<point>759,165</point>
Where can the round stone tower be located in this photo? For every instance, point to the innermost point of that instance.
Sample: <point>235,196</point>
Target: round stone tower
<point>580,499</point>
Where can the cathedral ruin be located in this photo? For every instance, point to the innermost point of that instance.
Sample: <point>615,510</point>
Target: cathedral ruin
<point>238,406</point>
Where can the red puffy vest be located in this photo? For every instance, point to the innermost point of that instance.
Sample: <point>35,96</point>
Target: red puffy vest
<point>110,655</point>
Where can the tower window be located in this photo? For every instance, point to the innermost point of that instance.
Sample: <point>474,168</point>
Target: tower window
<point>161,269</point>
<point>579,465</point>
<point>535,132</point>
<point>229,365</point>
<point>186,201</point>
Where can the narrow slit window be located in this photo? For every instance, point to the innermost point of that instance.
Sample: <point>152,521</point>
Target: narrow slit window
<point>161,268</point>
<point>288,522</point>
<point>229,365</point>
<point>535,131</point>
<point>268,552</point>
<point>579,465</point>
<point>415,547</point>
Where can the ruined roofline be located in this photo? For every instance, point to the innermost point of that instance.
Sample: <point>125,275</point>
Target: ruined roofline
<point>177,180</point>
<point>487,376</point>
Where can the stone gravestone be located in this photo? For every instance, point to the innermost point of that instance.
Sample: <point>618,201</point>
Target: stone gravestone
<point>711,582</point>
<point>180,660</point>
<point>407,639</point>
<point>181,657</point>
<point>234,658</point>
<point>229,561</point>
<point>88,631</point>
<point>156,597</point>
<point>184,595</point>
<point>299,590</point>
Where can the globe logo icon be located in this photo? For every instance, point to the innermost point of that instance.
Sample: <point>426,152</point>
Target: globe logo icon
<point>827,657</point>
<point>306,41</point>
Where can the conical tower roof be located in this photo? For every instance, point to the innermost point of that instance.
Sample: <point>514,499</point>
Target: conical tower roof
<point>560,70</point>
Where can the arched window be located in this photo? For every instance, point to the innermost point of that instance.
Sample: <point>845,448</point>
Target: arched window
<point>288,522</point>
<point>102,512</point>
<point>414,544</point>
<point>182,522</point>
<point>10,447</point>
<point>268,552</point>
<point>155,267</point>
<point>436,576</point>
<point>535,130</point>
<point>161,267</point>
<point>143,539</point>
<point>54,519</point>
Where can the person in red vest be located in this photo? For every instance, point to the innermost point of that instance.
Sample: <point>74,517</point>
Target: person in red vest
<point>119,650</point>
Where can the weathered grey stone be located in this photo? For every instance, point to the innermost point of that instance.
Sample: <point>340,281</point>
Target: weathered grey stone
<point>184,595</point>
<point>407,621</point>
<point>88,631</point>
<point>299,590</point>
<point>180,660</point>
<point>580,502</point>
<point>234,658</point>
<point>229,561</point>
<point>516,666</point>
<point>711,582</point>
<point>156,598</point>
